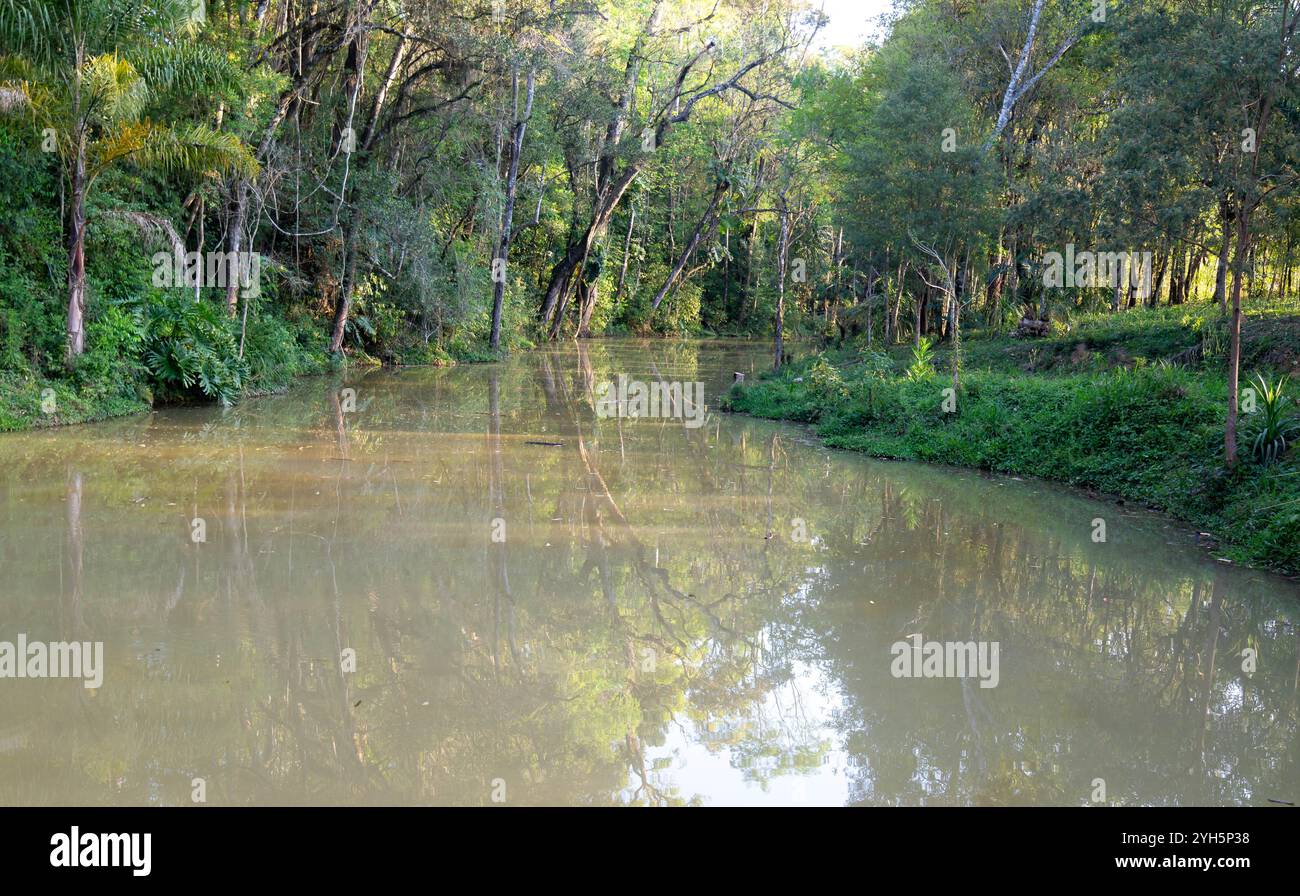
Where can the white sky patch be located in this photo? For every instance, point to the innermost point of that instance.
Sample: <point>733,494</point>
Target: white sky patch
<point>851,22</point>
<point>809,702</point>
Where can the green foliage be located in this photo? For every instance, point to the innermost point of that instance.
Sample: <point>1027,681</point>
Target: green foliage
<point>678,313</point>
<point>1278,428</point>
<point>278,351</point>
<point>192,349</point>
<point>825,382</point>
<point>373,325</point>
<point>31,327</point>
<point>876,364</point>
<point>922,366</point>
<point>112,367</point>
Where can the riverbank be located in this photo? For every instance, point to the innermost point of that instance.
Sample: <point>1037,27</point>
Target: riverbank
<point>29,400</point>
<point>1144,431</point>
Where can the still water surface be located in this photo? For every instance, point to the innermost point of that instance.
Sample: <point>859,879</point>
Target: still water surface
<point>652,629</point>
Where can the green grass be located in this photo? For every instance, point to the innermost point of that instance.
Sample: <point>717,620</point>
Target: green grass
<point>1149,432</point>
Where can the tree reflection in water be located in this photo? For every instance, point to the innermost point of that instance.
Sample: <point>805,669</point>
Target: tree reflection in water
<point>648,632</point>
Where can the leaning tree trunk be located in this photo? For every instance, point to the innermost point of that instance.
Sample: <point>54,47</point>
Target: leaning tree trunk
<point>627,245</point>
<point>1153,297</point>
<point>562,274</point>
<point>343,304</point>
<point>705,221</point>
<point>567,271</point>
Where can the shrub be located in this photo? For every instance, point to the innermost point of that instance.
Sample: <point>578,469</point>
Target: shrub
<point>192,349</point>
<point>825,381</point>
<point>112,366</point>
<point>876,364</point>
<point>276,352</point>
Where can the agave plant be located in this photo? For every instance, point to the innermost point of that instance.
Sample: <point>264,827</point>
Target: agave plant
<point>87,72</point>
<point>1278,429</point>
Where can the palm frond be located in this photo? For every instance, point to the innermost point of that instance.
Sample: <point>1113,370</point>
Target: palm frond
<point>194,149</point>
<point>115,88</point>
<point>15,96</point>
<point>187,67</point>
<point>28,26</point>
<point>153,229</point>
<point>123,141</point>
<point>26,88</point>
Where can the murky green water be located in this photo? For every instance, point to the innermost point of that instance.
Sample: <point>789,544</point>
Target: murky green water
<point>669,613</point>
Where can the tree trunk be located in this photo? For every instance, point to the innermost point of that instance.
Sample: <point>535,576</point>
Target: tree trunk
<point>705,221</point>
<point>1234,346</point>
<point>586,307</point>
<point>993,293</point>
<point>627,246</point>
<point>1198,259</point>
<point>1176,277</point>
<point>235,240</point>
<point>955,327</point>
<point>1162,262</point>
<point>354,72</point>
<point>1221,271</point>
<point>343,304</point>
<point>1284,270</point>
<point>780,286</point>
<point>921,298</point>
<point>507,222</point>
<point>897,308</point>
<point>751,274</point>
<point>1013,273</point>
<point>77,259</point>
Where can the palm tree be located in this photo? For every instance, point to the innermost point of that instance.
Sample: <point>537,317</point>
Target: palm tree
<point>87,72</point>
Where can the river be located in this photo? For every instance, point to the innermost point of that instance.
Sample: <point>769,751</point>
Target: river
<point>464,586</point>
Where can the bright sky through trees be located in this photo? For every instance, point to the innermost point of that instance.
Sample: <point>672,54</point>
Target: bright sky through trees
<point>851,21</point>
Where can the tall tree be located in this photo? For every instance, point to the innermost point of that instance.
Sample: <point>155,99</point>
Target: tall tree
<point>89,74</point>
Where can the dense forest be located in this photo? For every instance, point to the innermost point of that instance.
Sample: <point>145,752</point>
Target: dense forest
<point>206,198</point>
<point>416,182</point>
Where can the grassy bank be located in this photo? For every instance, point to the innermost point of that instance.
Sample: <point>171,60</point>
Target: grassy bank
<point>141,359</point>
<point>1119,419</point>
